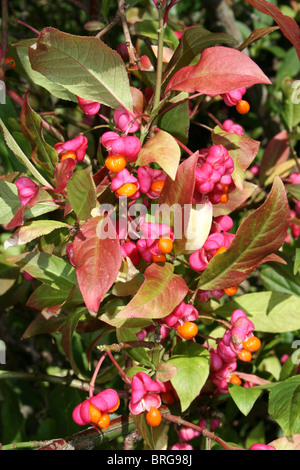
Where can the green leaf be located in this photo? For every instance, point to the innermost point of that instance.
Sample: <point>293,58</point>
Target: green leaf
<point>138,354</point>
<point>256,435</point>
<point>281,279</point>
<point>154,438</point>
<point>14,147</point>
<point>43,155</point>
<point>176,121</point>
<point>294,190</point>
<point>162,149</point>
<point>68,329</point>
<point>10,413</point>
<point>53,88</point>
<point>297,261</point>
<point>284,405</point>
<point>291,107</point>
<point>149,29</point>
<point>46,297</point>
<point>9,201</point>
<point>32,230</point>
<point>62,401</point>
<point>84,65</point>
<point>52,270</point>
<point>160,293</point>
<point>244,398</point>
<point>192,363</point>
<point>271,312</point>
<point>259,235</point>
<point>82,193</point>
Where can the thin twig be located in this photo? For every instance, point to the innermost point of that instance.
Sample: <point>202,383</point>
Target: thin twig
<point>133,56</point>
<point>117,347</point>
<point>108,27</point>
<point>93,380</point>
<point>125,377</point>
<point>205,432</point>
<point>29,27</point>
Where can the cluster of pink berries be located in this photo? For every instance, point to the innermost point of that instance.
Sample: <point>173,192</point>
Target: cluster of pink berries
<point>96,409</point>
<point>213,175</point>
<point>217,242</point>
<point>237,342</point>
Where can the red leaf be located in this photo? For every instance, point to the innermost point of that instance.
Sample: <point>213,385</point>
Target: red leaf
<point>97,260</point>
<point>288,25</point>
<point>62,173</point>
<point>219,70</point>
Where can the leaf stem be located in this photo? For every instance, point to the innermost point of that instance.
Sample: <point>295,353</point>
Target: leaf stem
<point>125,377</point>
<point>97,368</point>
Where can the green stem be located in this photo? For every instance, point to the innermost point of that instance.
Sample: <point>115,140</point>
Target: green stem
<point>74,383</point>
<point>23,445</point>
<point>159,68</point>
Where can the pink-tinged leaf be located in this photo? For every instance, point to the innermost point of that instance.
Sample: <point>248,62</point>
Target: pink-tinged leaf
<point>97,260</point>
<point>219,70</point>
<point>32,230</point>
<point>83,65</point>
<point>260,234</point>
<point>163,149</point>
<point>275,258</point>
<point>165,372</point>
<point>160,293</point>
<point>62,173</point>
<point>276,152</point>
<point>179,195</point>
<point>138,99</point>
<point>43,323</point>
<point>256,35</point>
<point>17,219</point>
<point>242,150</point>
<point>287,443</point>
<point>45,297</point>
<point>288,25</point>
<point>236,199</point>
